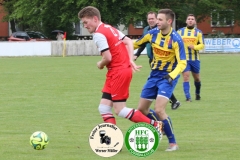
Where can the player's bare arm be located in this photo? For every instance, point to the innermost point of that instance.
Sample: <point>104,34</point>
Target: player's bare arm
<point>106,58</point>
<point>129,44</point>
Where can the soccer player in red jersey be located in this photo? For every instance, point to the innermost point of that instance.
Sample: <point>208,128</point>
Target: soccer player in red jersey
<point>117,56</point>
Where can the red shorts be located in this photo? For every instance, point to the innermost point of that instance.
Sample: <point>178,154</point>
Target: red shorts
<point>117,83</point>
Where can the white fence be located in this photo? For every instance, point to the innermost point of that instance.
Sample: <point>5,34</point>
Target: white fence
<point>87,47</point>
<point>79,47</point>
<point>25,48</point>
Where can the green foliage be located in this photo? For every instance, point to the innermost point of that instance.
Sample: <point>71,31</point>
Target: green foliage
<point>48,15</point>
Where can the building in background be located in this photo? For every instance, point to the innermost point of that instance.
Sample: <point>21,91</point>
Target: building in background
<point>217,23</point>
<point>220,23</point>
<point>4,26</point>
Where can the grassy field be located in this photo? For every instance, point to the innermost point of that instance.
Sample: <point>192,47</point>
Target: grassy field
<point>60,96</point>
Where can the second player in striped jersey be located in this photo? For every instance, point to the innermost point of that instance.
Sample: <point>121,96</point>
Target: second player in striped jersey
<point>169,60</point>
<point>152,25</point>
<point>193,42</point>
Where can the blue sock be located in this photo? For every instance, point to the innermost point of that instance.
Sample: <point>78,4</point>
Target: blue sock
<point>168,129</point>
<point>153,115</point>
<point>186,89</point>
<point>198,86</point>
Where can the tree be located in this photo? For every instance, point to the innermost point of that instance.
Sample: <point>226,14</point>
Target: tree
<point>48,15</point>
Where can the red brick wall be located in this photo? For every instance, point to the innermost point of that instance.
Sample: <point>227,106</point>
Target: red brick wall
<point>206,28</point>
<point>134,31</point>
<point>3,25</point>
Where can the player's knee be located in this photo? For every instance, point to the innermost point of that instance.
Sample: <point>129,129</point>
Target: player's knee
<point>160,112</point>
<point>186,78</point>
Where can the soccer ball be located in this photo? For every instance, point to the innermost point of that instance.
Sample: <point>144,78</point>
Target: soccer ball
<point>39,140</point>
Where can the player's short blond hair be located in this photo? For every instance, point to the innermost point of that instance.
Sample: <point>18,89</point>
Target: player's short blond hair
<point>89,11</point>
<point>168,12</point>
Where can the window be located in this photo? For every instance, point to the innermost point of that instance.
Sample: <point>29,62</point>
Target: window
<point>222,18</point>
<point>78,28</point>
<point>139,24</point>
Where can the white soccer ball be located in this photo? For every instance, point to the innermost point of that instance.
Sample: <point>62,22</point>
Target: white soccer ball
<point>39,140</point>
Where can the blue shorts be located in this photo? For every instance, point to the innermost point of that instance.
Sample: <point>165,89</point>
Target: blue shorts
<point>156,85</point>
<point>193,66</point>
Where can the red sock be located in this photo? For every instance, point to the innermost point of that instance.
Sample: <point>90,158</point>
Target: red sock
<point>139,117</point>
<point>110,120</point>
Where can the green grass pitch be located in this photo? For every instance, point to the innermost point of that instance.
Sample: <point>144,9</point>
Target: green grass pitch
<point>60,96</point>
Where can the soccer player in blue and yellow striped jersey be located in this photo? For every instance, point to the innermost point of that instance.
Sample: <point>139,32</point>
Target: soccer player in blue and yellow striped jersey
<point>193,42</point>
<point>169,60</point>
<point>152,24</point>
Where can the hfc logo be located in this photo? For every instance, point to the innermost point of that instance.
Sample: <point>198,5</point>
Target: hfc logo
<point>142,139</point>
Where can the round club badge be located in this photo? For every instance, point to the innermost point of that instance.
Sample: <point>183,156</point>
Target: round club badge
<point>142,139</point>
<point>106,139</point>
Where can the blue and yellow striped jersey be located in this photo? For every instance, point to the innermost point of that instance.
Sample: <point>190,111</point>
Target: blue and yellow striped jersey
<point>192,37</point>
<point>168,51</point>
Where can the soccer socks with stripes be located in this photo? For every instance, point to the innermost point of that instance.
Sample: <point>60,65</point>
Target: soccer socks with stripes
<point>198,87</point>
<point>186,89</point>
<point>135,116</point>
<point>168,129</point>
<point>106,113</point>
<point>152,115</point>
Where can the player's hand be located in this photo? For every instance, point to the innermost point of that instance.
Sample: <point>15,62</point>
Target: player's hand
<point>135,58</point>
<point>135,67</point>
<point>99,65</point>
<point>191,46</point>
<point>168,78</point>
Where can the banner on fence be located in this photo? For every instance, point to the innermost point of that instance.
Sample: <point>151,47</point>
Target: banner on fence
<point>222,45</point>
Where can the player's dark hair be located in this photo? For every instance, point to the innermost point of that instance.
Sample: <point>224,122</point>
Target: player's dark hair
<point>89,11</point>
<point>191,15</point>
<point>168,12</point>
<point>151,12</point>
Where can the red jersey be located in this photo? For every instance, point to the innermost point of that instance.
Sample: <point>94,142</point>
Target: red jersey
<point>109,38</point>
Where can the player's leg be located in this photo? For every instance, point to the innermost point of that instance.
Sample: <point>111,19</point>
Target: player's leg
<point>186,84</point>
<point>196,76</point>
<point>174,102</point>
<point>133,115</point>
<point>105,108</point>
<point>164,92</point>
<point>120,93</point>
<point>144,107</point>
<point>148,94</point>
